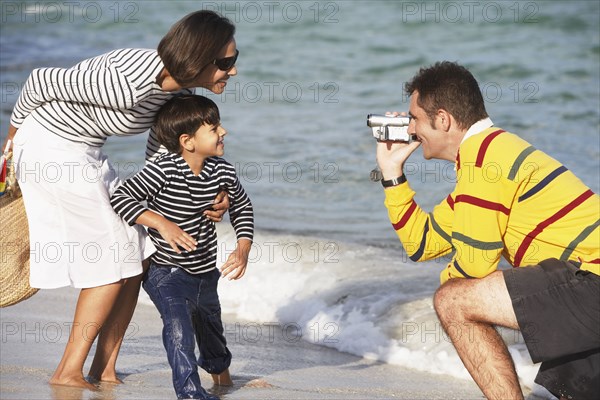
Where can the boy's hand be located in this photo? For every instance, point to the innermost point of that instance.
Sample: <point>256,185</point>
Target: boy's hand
<point>220,207</point>
<point>235,266</point>
<point>175,236</point>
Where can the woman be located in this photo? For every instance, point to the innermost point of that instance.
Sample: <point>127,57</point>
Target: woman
<point>58,127</point>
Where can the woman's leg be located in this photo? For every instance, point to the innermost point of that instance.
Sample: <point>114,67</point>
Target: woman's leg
<point>93,308</point>
<point>113,332</point>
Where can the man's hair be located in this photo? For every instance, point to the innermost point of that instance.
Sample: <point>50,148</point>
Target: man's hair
<point>192,43</point>
<point>184,114</point>
<point>451,87</point>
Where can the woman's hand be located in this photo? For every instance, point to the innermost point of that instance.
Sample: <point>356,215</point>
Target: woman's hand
<point>11,134</point>
<point>235,266</point>
<point>219,208</point>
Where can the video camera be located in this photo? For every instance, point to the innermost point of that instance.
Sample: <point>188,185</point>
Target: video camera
<point>390,128</point>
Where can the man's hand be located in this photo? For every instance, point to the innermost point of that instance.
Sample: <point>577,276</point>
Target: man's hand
<point>219,208</point>
<point>391,155</point>
<point>235,266</point>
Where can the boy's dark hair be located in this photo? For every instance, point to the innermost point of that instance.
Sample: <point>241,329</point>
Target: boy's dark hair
<point>192,43</point>
<point>184,114</point>
<point>451,87</point>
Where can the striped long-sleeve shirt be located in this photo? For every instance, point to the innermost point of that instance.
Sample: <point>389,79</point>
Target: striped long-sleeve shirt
<point>510,200</point>
<point>171,189</point>
<point>113,94</point>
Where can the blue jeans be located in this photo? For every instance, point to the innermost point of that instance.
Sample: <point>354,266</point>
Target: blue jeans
<point>190,309</point>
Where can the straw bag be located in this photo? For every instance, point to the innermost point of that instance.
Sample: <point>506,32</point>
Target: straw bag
<point>14,244</point>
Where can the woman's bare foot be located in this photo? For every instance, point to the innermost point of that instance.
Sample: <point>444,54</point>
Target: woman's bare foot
<point>76,381</point>
<point>112,379</point>
<point>222,379</point>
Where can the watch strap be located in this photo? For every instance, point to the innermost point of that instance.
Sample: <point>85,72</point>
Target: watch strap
<point>394,182</point>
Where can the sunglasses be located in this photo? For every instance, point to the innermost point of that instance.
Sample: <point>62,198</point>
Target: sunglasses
<point>225,64</point>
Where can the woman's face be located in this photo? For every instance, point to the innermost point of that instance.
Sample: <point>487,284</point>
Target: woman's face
<point>215,79</point>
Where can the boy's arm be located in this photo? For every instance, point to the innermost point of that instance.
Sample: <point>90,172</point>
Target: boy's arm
<point>168,230</point>
<point>241,212</point>
<point>126,201</point>
<point>235,266</point>
<point>242,219</point>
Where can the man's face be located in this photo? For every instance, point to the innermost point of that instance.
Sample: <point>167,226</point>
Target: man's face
<point>433,141</point>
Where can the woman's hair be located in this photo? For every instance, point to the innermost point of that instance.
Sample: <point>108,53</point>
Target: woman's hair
<point>451,87</point>
<point>192,43</point>
<point>184,114</point>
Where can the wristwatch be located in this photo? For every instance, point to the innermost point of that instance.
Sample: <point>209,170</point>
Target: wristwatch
<point>394,182</point>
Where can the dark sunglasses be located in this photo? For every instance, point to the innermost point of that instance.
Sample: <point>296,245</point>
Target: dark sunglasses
<point>225,64</point>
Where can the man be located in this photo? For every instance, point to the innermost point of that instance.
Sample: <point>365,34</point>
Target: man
<point>510,200</point>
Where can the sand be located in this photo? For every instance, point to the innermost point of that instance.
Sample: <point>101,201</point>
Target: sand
<point>268,363</point>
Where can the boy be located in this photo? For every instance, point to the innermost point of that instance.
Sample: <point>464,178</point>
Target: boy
<point>182,278</point>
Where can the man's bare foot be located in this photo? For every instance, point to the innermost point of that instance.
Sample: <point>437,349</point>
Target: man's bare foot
<point>222,379</point>
<point>77,381</point>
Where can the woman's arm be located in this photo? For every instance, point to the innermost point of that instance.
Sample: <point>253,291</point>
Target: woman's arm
<point>12,131</point>
<point>105,87</point>
<point>219,208</point>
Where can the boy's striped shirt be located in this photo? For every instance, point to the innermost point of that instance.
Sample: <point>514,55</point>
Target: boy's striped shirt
<point>172,190</point>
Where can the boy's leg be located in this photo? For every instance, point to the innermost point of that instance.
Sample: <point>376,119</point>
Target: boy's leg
<point>215,357</point>
<point>222,379</point>
<point>170,291</point>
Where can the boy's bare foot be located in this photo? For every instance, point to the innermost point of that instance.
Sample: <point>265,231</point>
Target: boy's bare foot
<point>76,381</point>
<point>222,379</point>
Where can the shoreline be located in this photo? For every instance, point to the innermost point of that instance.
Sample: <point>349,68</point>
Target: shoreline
<point>268,362</point>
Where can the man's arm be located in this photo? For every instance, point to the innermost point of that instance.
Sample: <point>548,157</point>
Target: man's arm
<point>424,236</point>
<point>481,210</point>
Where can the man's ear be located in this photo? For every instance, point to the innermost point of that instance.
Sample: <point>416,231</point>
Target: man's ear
<point>185,142</point>
<point>445,119</point>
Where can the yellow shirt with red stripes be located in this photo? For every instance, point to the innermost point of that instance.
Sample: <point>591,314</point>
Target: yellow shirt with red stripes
<point>510,200</point>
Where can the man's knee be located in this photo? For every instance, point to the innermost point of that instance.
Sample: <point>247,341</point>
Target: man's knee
<point>447,296</point>
<point>482,299</point>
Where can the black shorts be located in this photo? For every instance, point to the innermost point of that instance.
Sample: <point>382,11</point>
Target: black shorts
<point>558,310</point>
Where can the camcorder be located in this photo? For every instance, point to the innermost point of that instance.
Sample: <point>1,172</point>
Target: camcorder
<point>390,128</point>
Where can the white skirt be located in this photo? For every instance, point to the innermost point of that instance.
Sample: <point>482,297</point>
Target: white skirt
<point>76,238</point>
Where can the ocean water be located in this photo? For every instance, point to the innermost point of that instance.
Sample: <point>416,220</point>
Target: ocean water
<point>326,263</point>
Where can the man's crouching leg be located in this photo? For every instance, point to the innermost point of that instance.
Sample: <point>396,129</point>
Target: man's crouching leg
<point>468,310</point>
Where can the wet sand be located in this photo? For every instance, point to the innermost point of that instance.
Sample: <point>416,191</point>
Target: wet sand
<point>268,362</point>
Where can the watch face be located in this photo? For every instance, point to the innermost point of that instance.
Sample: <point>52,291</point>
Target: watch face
<point>376,175</point>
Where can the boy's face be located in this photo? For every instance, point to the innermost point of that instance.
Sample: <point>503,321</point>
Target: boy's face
<point>208,140</point>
